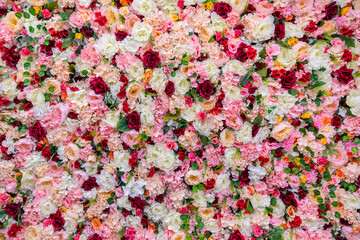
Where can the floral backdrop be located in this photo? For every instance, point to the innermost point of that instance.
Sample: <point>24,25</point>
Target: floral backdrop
<point>179,119</point>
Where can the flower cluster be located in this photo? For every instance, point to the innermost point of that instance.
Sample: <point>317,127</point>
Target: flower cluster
<point>179,119</point>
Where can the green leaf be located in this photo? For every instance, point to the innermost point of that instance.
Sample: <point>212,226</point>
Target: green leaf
<point>257,121</point>
<point>293,92</point>
<point>67,43</point>
<point>122,125</point>
<point>205,140</point>
<point>283,44</point>
<point>66,15</point>
<point>273,201</point>
<point>317,84</point>
<point>249,207</point>
<point>194,165</point>
<point>276,233</point>
<point>262,72</point>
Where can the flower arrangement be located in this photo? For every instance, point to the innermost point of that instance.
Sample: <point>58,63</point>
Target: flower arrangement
<point>179,119</point>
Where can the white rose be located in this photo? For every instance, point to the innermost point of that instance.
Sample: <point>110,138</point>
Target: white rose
<point>144,7</point>
<point>293,30</point>
<point>85,3</point>
<point>112,118</point>
<point>173,221</point>
<point>232,92</point>
<point>234,66</point>
<point>162,157</point>
<point>158,79</point>
<point>77,97</point>
<point>27,180</point>
<point>260,201</point>
<point>222,182</point>
<point>285,102</point>
<point>287,58</point>
<point>106,180</point>
<point>203,127</point>
<point>107,45</point>
<point>244,135</point>
<point>212,225</point>
<point>141,32</point>
<point>211,69</point>
<point>157,211</point>
<point>352,201</point>
<point>182,85</point>
<point>231,156</point>
<point>147,117</point>
<point>257,28</point>
<point>136,72</point>
<point>317,58</point>
<point>47,207</point>
<point>353,101</point>
<point>130,45</point>
<point>218,24</point>
<point>189,113</point>
<point>8,86</point>
<point>121,160</point>
<point>124,202</point>
<point>279,209</point>
<point>133,221</point>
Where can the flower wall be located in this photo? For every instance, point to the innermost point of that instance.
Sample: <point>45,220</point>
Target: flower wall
<point>179,119</point>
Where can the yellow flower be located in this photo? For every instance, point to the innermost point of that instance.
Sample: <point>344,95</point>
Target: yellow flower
<point>303,178</point>
<point>78,36</point>
<point>148,75</point>
<point>292,41</point>
<point>277,64</point>
<point>37,9</point>
<point>344,10</point>
<point>279,119</point>
<point>64,209</point>
<point>323,141</point>
<point>208,6</point>
<point>305,115</point>
<point>175,17</point>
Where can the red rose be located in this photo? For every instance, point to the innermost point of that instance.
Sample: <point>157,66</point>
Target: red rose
<point>336,121</point>
<point>73,115</point>
<point>90,184</point>
<point>12,209</point>
<point>179,131</point>
<point>210,184</point>
<point>236,235</point>
<point>296,222</point>
<point>144,221</point>
<point>170,88</point>
<point>280,31</point>
<point>241,204</point>
<point>28,106</point>
<point>151,59</point>
<point>100,19</point>
<point>344,74</point>
<point>37,131</point>
<point>278,152</point>
<point>347,55</point>
<point>137,203</point>
<point>251,53</point>
<point>288,198</point>
<point>57,220</point>
<point>133,120</point>
<point>13,230</point>
<point>99,86</point>
<point>222,9</point>
<point>330,11</point>
<point>104,144</point>
<point>47,49</point>
<point>241,55</point>
<point>181,4</point>
<point>181,155</point>
<point>205,89</point>
<point>121,35</point>
<point>288,80</point>
<point>254,130</point>
<point>133,162</point>
<point>95,236</point>
<point>244,178</point>
<point>301,193</point>
<point>11,57</point>
<point>45,152</point>
<point>87,32</point>
<point>122,93</point>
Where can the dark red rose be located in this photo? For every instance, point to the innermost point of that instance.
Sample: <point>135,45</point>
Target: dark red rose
<point>28,106</point>
<point>144,221</point>
<point>278,73</point>
<point>280,31</point>
<point>296,222</point>
<point>241,204</point>
<point>278,152</point>
<point>170,88</point>
<point>181,155</point>
<point>95,236</point>
<point>160,198</point>
<point>57,220</point>
<point>124,80</point>
<point>12,209</point>
<point>11,57</point>
<point>222,9</point>
<point>296,123</point>
<point>121,35</point>
<point>210,184</point>
<point>133,120</point>
<point>87,32</point>
<point>330,11</point>
<point>137,203</point>
<point>47,49</point>
<point>152,172</point>
<point>336,121</point>
<point>301,193</point>
<point>288,80</point>
<point>90,184</point>
<point>77,164</point>
<point>73,115</point>
<point>288,198</point>
<point>347,55</point>
<point>37,131</point>
<point>133,162</point>
<point>45,152</point>
<point>13,230</point>
<point>344,74</point>
<point>179,131</point>
<point>254,130</point>
<point>244,178</point>
<point>251,53</point>
<point>241,55</point>
<point>151,59</point>
<point>205,89</point>
<point>99,86</point>
<point>3,11</point>
<point>104,144</point>
<point>236,235</point>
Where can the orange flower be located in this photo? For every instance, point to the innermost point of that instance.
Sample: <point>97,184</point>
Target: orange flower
<point>64,96</point>
<point>321,169</point>
<point>96,223</point>
<point>339,174</point>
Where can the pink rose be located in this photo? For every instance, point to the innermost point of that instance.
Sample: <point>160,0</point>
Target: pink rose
<point>76,20</point>
<point>90,55</point>
<point>24,145</point>
<point>257,231</point>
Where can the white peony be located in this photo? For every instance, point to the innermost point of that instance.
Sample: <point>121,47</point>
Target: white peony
<point>107,45</point>
<point>144,7</point>
<point>141,32</point>
<point>353,101</point>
